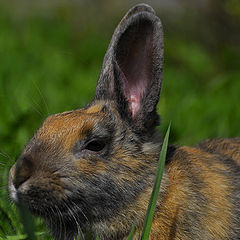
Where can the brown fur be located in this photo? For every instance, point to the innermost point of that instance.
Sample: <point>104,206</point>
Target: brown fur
<point>228,147</point>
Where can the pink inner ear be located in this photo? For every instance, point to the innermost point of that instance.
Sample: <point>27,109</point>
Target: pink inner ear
<point>135,88</point>
<point>137,75</point>
<point>135,104</point>
<point>135,95</point>
<point>134,57</point>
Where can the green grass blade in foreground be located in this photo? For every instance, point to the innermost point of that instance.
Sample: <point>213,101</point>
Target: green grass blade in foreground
<point>154,196</point>
<point>78,237</point>
<point>40,235</point>
<point>130,237</point>
<point>28,221</point>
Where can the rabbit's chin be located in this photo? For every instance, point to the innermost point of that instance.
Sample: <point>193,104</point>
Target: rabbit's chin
<point>66,219</point>
<point>51,208</point>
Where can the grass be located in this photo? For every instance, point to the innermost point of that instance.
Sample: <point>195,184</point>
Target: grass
<point>50,61</point>
<point>155,193</point>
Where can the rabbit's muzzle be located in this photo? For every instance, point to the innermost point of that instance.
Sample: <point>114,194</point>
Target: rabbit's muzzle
<point>38,190</point>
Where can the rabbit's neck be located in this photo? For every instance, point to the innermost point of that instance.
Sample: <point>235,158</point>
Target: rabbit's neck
<point>119,225</point>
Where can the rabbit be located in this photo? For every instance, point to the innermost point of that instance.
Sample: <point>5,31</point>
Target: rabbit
<point>94,168</point>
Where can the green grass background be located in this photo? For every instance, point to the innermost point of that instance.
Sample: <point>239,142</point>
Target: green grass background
<point>50,58</point>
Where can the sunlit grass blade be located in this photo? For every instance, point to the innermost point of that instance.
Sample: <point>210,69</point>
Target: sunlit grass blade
<point>154,196</point>
<point>23,236</point>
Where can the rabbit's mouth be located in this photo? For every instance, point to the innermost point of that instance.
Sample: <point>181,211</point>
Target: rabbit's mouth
<point>43,204</point>
<point>48,201</point>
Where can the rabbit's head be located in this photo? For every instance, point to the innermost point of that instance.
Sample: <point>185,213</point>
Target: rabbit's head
<point>92,167</point>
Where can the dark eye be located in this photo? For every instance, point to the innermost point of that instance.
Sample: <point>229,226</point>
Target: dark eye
<point>95,145</point>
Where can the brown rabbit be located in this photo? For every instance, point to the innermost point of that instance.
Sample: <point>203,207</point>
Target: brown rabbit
<point>94,168</point>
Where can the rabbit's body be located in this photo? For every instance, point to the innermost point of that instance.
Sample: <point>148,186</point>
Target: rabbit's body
<point>94,168</point>
<point>202,197</point>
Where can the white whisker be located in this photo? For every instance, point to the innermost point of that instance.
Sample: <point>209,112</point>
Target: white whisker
<point>41,95</point>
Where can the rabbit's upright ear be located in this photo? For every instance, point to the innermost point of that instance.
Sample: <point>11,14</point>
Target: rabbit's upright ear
<point>132,69</point>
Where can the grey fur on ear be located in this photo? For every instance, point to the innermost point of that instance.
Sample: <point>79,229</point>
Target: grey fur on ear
<point>132,68</point>
<point>142,7</point>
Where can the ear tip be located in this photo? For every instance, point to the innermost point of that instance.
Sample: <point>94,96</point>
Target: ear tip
<point>138,9</point>
<point>142,7</point>
<point>141,11</point>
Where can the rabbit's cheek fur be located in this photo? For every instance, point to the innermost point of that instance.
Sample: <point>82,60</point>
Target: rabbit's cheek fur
<point>48,159</point>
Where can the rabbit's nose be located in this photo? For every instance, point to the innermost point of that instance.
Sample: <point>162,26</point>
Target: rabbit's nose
<point>22,171</point>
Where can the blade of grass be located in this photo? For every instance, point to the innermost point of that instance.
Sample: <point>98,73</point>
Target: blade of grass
<point>27,221</point>
<point>154,196</point>
<point>23,236</point>
<point>78,237</point>
<point>89,234</point>
<point>26,217</point>
<point>130,237</point>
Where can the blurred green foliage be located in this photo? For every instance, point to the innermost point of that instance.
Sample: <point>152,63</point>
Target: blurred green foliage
<point>51,55</point>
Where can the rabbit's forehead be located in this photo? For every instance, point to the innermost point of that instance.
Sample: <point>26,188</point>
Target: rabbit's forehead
<point>68,127</point>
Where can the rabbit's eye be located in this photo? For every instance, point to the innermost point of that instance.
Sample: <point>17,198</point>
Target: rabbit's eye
<point>95,145</point>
